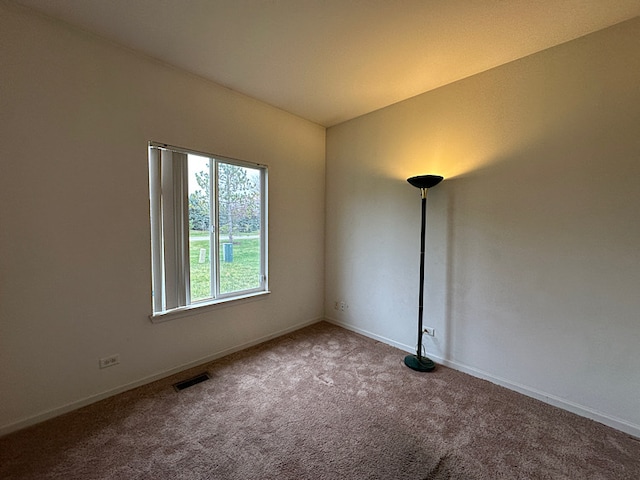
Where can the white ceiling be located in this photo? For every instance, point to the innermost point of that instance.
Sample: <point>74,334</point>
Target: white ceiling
<point>332,60</point>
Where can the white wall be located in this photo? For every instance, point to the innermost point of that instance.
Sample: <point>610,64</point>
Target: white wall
<point>532,245</point>
<point>76,114</point>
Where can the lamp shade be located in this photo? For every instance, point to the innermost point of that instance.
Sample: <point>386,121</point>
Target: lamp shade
<point>425,181</point>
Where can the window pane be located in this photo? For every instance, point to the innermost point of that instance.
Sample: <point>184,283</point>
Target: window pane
<point>199,228</point>
<point>239,220</point>
<point>208,221</point>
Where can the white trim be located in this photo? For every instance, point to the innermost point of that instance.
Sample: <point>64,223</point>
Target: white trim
<point>264,229</point>
<point>201,307</point>
<point>242,163</point>
<point>156,228</point>
<point>69,407</point>
<point>583,411</point>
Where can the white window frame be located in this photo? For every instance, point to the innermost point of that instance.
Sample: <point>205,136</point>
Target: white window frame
<point>169,216</point>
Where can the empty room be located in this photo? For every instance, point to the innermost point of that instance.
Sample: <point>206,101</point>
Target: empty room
<point>213,265</point>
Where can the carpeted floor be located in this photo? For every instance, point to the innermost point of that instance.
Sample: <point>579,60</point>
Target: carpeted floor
<point>321,403</point>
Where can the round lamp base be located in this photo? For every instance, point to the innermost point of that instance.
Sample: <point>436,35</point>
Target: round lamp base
<point>419,364</point>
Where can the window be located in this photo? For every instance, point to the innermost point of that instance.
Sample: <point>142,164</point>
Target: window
<point>208,229</point>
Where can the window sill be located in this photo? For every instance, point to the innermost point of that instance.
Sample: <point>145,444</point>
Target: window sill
<point>205,306</point>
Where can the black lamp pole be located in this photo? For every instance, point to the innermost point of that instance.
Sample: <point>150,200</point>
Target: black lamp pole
<point>418,362</point>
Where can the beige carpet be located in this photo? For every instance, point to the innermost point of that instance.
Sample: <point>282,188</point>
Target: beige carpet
<point>321,403</point>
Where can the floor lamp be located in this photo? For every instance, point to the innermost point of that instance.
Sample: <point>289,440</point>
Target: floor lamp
<point>418,362</point>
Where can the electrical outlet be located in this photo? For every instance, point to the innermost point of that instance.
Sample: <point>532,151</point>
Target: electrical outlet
<point>430,331</point>
<point>109,361</point>
<point>340,305</point>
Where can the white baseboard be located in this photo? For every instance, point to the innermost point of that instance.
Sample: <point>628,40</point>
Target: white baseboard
<point>583,411</point>
<point>55,412</point>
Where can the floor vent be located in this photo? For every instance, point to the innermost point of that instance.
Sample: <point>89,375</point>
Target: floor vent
<point>191,381</point>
